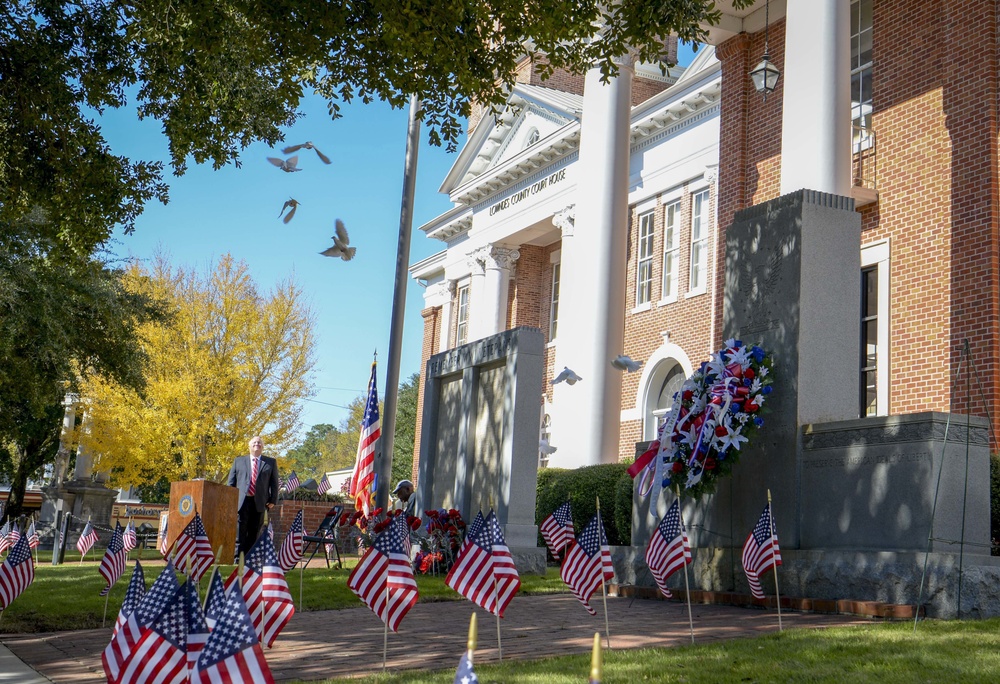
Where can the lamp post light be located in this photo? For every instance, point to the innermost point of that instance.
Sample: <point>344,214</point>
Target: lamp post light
<point>765,75</point>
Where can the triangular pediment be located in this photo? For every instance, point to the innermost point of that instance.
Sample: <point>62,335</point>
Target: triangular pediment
<point>532,116</point>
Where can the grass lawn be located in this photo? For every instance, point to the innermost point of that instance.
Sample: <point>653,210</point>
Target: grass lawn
<point>884,653</point>
<point>67,596</point>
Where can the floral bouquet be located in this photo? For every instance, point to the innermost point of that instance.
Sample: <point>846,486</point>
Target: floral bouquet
<point>445,533</point>
<point>716,412</point>
<point>365,528</point>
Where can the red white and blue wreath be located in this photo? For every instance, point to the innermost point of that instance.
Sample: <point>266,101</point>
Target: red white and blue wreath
<point>715,413</point>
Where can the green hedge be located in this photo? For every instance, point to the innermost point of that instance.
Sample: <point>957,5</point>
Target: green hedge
<point>581,486</point>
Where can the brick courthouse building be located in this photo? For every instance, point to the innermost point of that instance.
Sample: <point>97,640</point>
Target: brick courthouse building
<point>598,212</point>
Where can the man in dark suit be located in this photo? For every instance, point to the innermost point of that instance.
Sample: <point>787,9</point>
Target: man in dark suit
<point>256,476</point>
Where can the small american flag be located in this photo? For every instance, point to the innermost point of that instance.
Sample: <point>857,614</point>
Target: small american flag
<point>197,628</point>
<point>588,562</point>
<point>387,564</point>
<point>265,590</point>
<point>113,563</point>
<point>33,540</point>
<point>215,601</point>
<point>291,548</point>
<point>232,653</point>
<point>465,674</point>
<point>163,540</point>
<point>86,540</point>
<point>5,537</point>
<point>363,476</point>
<point>508,582</point>
<point>760,551</point>
<point>292,483</point>
<point>16,573</point>
<point>193,552</point>
<point>472,574</point>
<point>133,595</point>
<point>130,539</point>
<point>14,536</point>
<point>557,529</point>
<point>668,550</point>
<point>160,655</point>
<point>323,486</point>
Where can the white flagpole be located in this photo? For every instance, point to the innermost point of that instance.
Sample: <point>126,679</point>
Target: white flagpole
<point>604,591</point>
<point>777,594</point>
<point>687,587</point>
<point>385,633</point>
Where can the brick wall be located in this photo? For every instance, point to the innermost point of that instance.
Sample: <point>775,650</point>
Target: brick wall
<point>283,515</point>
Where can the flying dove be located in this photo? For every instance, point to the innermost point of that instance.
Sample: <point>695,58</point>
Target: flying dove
<point>290,202</point>
<point>307,146</point>
<point>546,448</point>
<point>286,165</point>
<point>340,242</point>
<point>622,362</point>
<point>566,375</point>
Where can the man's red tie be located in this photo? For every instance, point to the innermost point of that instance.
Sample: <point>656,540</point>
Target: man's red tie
<point>253,477</point>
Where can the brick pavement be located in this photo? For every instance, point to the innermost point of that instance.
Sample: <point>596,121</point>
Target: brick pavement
<point>322,644</point>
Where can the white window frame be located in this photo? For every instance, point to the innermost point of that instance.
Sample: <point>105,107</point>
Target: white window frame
<point>700,241</point>
<point>671,251</point>
<point>876,256</point>
<point>644,258</point>
<point>554,301</point>
<point>462,315</point>
<point>861,107</point>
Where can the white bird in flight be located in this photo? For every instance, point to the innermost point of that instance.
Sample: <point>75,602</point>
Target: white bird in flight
<point>307,146</point>
<point>340,242</point>
<point>545,447</point>
<point>287,165</point>
<point>290,202</point>
<point>622,362</point>
<point>566,375</point>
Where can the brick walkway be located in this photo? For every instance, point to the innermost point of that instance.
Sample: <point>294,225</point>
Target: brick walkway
<point>322,644</point>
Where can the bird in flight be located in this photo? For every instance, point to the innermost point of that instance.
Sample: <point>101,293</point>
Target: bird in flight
<point>545,447</point>
<point>290,202</point>
<point>340,242</point>
<point>622,362</point>
<point>287,165</point>
<point>567,376</point>
<point>307,146</point>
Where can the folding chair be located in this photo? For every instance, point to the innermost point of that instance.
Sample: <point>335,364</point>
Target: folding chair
<point>325,534</point>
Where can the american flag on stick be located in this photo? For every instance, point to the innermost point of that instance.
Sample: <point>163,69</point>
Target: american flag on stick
<point>130,539</point>
<point>291,548</point>
<point>160,655</point>
<point>86,540</point>
<point>133,595</point>
<point>5,537</point>
<point>14,536</point>
<point>668,550</point>
<point>557,529</point>
<point>292,483</point>
<point>364,466</point>
<point>193,552</point>
<point>323,486</point>
<point>16,573</point>
<point>588,562</point>
<point>232,653</point>
<point>472,574</point>
<point>33,540</point>
<point>113,563</point>
<point>760,551</point>
<point>197,627</point>
<point>265,590</point>
<point>383,579</point>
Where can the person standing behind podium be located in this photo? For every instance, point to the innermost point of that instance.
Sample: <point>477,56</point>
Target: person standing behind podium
<point>256,476</point>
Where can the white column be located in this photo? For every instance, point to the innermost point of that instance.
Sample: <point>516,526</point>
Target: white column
<point>498,262</point>
<point>816,109</point>
<point>586,422</point>
<point>478,313</point>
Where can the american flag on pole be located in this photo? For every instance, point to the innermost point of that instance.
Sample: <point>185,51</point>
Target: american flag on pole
<point>16,573</point>
<point>5,537</point>
<point>160,655</point>
<point>323,486</point>
<point>265,590</point>
<point>113,563</point>
<point>588,562</point>
<point>133,595</point>
<point>86,540</point>
<point>14,536</point>
<point>383,579</point>
<point>215,601</point>
<point>163,548</point>
<point>472,574</point>
<point>668,550</point>
<point>760,551</point>
<point>33,540</point>
<point>197,628</point>
<point>292,483</point>
<point>364,465</point>
<point>557,529</point>
<point>291,548</point>
<point>130,540</point>
<point>193,552</point>
<point>504,571</point>
<point>232,653</point>
<point>152,604</point>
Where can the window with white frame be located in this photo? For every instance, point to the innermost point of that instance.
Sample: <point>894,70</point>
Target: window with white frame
<point>644,272</point>
<point>699,242</point>
<point>874,385</point>
<point>671,246</point>
<point>462,328</point>
<point>554,303</point>
<point>861,70</point>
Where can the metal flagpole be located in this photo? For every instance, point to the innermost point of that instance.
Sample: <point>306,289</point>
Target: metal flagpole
<point>604,591</point>
<point>384,466</point>
<point>687,587</point>
<point>385,632</point>
<point>302,567</point>
<point>777,594</point>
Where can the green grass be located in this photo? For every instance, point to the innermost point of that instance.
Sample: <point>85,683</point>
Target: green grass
<point>885,653</point>
<point>67,596</point>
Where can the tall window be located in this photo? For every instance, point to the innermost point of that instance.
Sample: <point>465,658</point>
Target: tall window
<point>554,305</point>
<point>644,277</point>
<point>861,68</point>
<point>671,235</point>
<point>699,241</point>
<point>462,330</point>
<point>874,351</point>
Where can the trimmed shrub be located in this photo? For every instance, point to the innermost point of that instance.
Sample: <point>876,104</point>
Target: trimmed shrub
<point>581,487</point>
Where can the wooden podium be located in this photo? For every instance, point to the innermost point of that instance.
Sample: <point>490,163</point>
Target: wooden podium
<point>216,503</point>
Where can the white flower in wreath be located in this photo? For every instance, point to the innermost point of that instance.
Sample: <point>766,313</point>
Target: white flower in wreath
<point>717,366</point>
<point>743,418</point>
<point>690,437</point>
<point>733,439</point>
<point>759,399</point>
<point>755,386</point>
<point>740,356</point>
<point>694,477</point>
<point>762,372</point>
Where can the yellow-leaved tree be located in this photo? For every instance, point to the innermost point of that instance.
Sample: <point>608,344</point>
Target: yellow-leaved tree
<point>231,363</point>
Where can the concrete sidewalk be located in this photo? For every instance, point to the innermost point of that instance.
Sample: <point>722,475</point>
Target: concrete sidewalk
<point>324,644</point>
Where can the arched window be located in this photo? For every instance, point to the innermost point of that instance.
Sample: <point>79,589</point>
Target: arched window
<point>530,138</point>
<point>666,380</point>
